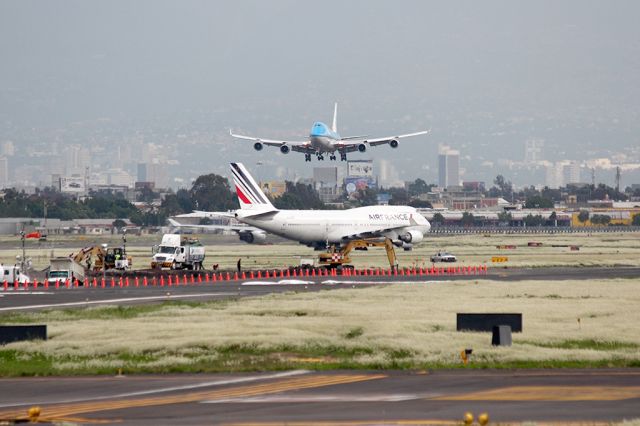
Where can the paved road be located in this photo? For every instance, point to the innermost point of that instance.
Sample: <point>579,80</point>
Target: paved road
<point>327,398</point>
<point>16,300</point>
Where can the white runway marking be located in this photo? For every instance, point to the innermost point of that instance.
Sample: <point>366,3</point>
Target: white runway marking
<point>324,398</point>
<point>168,389</point>
<point>25,293</point>
<point>110,301</point>
<point>281,282</point>
<point>345,282</point>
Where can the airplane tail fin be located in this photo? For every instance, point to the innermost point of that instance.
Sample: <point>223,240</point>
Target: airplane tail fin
<point>249,193</point>
<point>334,126</point>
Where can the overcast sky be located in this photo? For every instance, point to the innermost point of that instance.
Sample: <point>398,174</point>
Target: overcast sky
<point>393,65</point>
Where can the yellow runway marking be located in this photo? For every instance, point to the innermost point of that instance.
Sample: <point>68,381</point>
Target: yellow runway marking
<point>549,393</point>
<point>415,422</point>
<point>425,422</point>
<point>306,382</point>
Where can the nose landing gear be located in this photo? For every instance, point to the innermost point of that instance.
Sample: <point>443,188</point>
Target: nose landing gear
<point>307,157</point>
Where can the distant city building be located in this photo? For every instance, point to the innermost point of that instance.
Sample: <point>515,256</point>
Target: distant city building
<point>142,172</point>
<point>4,172</point>
<point>571,172</point>
<point>8,149</point>
<point>77,158</point>
<point>325,175</point>
<point>448,167</point>
<point>325,181</point>
<point>388,175</point>
<point>473,186</point>
<point>119,177</point>
<point>533,150</point>
<point>561,173</point>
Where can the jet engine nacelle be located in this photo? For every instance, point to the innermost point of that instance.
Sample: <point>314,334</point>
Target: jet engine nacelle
<point>257,146</point>
<point>362,147</point>
<point>393,143</point>
<point>253,237</point>
<point>412,236</point>
<point>284,149</point>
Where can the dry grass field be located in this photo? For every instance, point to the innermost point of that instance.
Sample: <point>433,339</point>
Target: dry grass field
<point>566,324</point>
<point>612,249</point>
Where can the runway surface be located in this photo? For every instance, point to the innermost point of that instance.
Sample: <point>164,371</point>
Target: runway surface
<point>19,300</point>
<point>328,398</point>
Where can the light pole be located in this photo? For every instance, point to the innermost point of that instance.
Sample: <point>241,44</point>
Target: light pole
<point>104,261</point>
<point>22,237</point>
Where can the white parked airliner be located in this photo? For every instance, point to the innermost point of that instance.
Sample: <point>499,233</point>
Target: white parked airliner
<point>323,139</point>
<point>321,228</point>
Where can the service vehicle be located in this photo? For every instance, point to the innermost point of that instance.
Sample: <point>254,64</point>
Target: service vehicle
<point>63,268</point>
<point>178,252</point>
<point>12,273</point>
<point>443,256</point>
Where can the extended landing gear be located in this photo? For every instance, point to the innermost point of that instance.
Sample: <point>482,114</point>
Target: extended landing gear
<point>343,156</point>
<point>332,157</point>
<point>320,157</point>
<point>307,157</point>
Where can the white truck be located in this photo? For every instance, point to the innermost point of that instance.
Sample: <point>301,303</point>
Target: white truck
<point>443,256</point>
<point>178,252</point>
<point>63,268</point>
<point>12,273</point>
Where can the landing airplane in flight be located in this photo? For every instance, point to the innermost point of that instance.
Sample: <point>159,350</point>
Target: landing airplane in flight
<point>323,139</point>
<point>403,225</point>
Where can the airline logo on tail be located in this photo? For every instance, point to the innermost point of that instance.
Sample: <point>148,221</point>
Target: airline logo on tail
<point>249,193</point>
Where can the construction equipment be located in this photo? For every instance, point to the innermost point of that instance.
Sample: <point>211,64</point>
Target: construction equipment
<point>338,256</point>
<point>94,258</point>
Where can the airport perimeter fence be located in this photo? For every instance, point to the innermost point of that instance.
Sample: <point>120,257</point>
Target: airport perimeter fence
<point>175,280</point>
<point>446,230</point>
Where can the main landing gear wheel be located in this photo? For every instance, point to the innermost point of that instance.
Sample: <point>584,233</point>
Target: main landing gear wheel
<point>307,157</point>
<point>320,157</point>
<point>343,156</point>
<point>332,157</point>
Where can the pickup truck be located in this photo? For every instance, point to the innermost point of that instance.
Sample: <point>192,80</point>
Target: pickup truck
<point>443,256</point>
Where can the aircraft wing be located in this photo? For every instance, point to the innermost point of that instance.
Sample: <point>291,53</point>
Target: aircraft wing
<point>269,142</point>
<point>202,214</point>
<point>375,233</point>
<point>237,228</point>
<point>352,144</point>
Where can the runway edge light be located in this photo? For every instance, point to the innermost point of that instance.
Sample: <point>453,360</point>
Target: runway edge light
<point>483,419</point>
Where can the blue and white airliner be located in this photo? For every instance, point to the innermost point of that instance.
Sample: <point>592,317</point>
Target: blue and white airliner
<point>324,140</point>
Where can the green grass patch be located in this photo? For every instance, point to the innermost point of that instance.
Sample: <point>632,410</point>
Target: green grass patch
<point>14,363</point>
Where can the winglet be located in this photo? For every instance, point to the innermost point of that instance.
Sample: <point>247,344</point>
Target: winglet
<point>334,126</point>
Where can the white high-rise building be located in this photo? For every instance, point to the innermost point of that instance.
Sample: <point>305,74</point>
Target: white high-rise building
<point>533,150</point>
<point>388,175</point>
<point>572,172</point>
<point>448,167</point>
<point>8,149</point>
<point>4,172</point>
